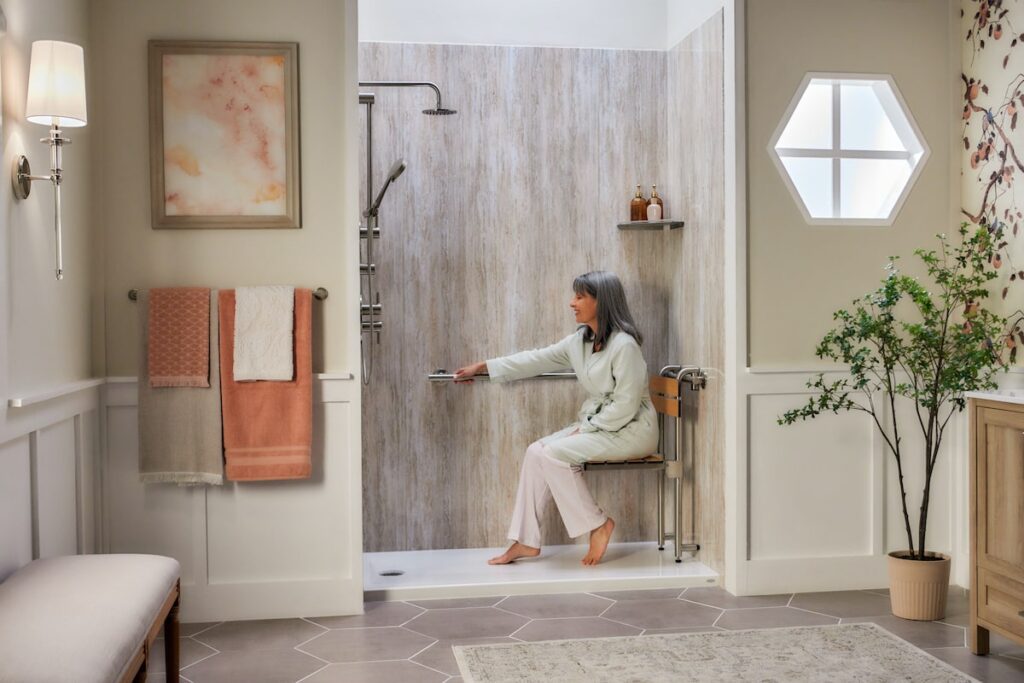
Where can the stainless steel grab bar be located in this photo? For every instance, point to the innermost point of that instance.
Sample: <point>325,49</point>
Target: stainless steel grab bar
<point>443,375</point>
<point>694,375</point>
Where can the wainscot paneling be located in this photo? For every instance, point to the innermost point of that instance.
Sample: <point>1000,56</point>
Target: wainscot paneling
<point>248,550</point>
<point>49,491</point>
<point>15,506</point>
<point>823,499</point>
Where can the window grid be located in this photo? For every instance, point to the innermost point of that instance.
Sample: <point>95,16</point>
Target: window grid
<point>917,148</point>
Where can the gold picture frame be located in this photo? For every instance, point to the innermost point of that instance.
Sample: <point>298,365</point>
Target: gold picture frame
<point>224,134</point>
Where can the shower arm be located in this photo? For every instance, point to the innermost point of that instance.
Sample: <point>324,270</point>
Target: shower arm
<point>406,84</point>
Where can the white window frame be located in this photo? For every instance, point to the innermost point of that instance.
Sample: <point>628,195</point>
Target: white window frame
<point>902,121</point>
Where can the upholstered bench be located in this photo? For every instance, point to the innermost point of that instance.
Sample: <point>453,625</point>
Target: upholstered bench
<point>86,618</point>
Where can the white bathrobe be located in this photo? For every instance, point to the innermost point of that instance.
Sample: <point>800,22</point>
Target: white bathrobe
<point>618,420</point>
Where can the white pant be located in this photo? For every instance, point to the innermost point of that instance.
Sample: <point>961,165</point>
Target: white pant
<point>541,478</point>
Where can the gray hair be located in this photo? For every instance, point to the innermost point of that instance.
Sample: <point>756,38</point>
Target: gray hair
<point>612,309</point>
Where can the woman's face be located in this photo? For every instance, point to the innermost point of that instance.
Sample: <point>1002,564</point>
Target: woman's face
<point>585,307</point>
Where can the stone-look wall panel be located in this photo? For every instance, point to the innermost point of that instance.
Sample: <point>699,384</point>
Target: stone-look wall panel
<point>500,207</point>
<point>694,170</point>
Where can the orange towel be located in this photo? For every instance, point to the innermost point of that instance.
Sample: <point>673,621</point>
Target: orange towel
<point>179,337</point>
<point>268,425</point>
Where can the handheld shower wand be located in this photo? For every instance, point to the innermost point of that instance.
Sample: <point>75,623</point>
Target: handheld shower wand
<point>396,170</point>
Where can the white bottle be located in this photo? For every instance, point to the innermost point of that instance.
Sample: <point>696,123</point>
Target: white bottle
<point>653,212</point>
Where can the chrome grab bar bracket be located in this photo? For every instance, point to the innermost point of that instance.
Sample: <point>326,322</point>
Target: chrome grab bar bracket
<point>693,375</point>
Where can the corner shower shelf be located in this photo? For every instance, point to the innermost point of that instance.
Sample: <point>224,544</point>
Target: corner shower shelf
<point>651,225</point>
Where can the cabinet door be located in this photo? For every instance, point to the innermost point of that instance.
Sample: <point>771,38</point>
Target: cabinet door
<point>1000,491</point>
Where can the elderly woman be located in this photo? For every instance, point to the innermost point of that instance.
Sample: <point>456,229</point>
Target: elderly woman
<point>616,422</point>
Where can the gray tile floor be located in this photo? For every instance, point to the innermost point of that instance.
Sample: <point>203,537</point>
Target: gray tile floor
<point>411,641</point>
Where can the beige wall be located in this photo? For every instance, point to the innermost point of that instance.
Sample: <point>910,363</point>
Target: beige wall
<point>800,274</point>
<point>44,323</point>
<point>321,254</point>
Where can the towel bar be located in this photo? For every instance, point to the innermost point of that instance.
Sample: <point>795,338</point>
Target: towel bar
<point>318,293</point>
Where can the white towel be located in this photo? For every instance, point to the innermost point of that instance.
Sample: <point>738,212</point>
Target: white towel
<point>264,333</point>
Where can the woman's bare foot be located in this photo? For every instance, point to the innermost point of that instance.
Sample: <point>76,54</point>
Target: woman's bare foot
<point>599,538</point>
<point>516,551</point>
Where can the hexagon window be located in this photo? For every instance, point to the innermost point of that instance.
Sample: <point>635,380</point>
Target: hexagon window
<point>848,149</point>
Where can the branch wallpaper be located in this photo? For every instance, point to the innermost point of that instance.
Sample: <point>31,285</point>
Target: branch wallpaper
<point>993,164</point>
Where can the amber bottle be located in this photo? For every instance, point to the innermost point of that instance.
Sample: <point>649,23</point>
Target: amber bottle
<point>638,207</point>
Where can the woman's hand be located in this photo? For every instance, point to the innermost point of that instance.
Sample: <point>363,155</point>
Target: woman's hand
<point>464,375</point>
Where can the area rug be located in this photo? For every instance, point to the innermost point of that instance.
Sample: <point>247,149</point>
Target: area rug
<point>844,652</point>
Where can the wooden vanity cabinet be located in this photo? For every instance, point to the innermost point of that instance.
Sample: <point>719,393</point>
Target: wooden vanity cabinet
<point>997,522</point>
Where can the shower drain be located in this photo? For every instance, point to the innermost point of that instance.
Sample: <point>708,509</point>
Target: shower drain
<point>392,572</point>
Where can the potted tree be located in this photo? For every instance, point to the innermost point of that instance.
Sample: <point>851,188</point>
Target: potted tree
<point>929,345</point>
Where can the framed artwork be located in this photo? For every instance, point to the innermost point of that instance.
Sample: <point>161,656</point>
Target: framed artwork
<point>224,134</point>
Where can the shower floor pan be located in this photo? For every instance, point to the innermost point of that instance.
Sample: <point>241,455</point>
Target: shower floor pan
<point>465,573</point>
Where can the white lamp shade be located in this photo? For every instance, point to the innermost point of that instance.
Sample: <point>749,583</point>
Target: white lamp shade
<point>56,84</point>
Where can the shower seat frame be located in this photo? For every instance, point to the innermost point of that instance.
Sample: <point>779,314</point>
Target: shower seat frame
<point>667,396</point>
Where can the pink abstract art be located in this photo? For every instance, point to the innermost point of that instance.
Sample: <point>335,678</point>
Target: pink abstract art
<point>226,133</point>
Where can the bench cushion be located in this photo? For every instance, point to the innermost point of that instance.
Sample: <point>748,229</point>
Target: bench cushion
<point>80,618</point>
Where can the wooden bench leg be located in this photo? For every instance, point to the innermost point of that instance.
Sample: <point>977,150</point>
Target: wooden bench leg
<point>171,642</point>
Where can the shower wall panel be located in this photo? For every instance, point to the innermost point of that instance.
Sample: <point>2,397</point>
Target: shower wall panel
<point>501,206</point>
<point>694,174</point>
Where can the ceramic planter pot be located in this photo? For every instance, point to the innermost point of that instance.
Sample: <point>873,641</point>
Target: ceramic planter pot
<point>918,588</point>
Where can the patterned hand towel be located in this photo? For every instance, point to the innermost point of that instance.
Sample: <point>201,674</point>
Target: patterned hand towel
<point>268,426</point>
<point>263,333</point>
<point>179,337</point>
<point>179,427</point>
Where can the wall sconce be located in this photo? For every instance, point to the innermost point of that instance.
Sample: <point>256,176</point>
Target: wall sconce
<point>56,97</point>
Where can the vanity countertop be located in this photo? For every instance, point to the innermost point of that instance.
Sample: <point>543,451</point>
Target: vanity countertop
<point>1004,395</point>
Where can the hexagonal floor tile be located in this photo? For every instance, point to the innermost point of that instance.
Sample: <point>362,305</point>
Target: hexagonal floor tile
<point>377,672</point>
<point>448,603</point>
<point>578,627</point>
<point>662,613</point>
<point>189,652</point>
<point>719,597</point>
<point>466,622</point>
<point>253,666</point>
<point>771,617</point>
<point>844,603</point>
<point>695,629</point>
<point>992,668</point>
<point>923,634</point>
<point>440,656</point>
<point>556,605</point>
<point>375,614</point>
<point>189,630</point>
<point>642,594</point>
<point>263,634</point>
<point>162,678</point>
<point>366,644</point>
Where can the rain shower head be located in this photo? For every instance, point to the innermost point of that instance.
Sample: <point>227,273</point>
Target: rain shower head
<point>436,111</point>
<point>396,170</point>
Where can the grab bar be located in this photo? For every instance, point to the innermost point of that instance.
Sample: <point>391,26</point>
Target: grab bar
<point>442,375</point>
<point>693,375</point>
